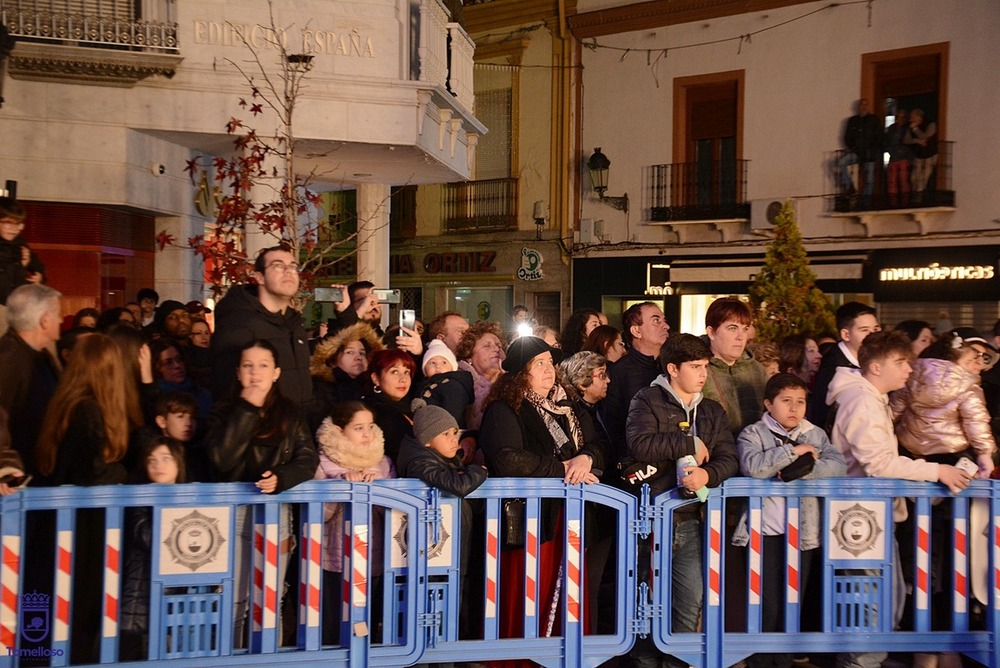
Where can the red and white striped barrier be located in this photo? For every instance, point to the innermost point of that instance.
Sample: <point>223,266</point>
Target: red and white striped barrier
<point>530,569</point>
<point>492,567</point>
<point>258,575</point>
<point>345,589</point>
<point>715,525</point>
<point>755,557</point>
<point>64,578</point>
<point>311,565</point>
<point>112,577</point>
<point>10,568</point>
<point>961,529</point>
<point>359,550</point>
<point>923,559</point>
<point>792,580</point>
<point>574,586</point>
<point>996,563</point>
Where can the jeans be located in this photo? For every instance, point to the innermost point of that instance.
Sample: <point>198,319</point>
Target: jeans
<point>846,185</point>
<point>688,580</point>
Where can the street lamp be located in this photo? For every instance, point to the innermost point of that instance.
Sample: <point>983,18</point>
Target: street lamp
<point>598,166</point>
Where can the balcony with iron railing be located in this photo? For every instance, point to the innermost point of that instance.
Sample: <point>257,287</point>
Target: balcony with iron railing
<point>922,184</point>
<point>706,190</point>
<point>107,41</point>
<point>487,205</point>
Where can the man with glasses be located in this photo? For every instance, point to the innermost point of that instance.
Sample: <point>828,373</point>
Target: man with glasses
<point>18,265</point>
<point>263,310</point>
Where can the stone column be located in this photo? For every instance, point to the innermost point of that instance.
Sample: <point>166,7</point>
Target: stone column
<point>373,236</point>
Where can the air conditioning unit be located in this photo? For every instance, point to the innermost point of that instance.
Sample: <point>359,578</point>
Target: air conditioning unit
<point>764,211</point>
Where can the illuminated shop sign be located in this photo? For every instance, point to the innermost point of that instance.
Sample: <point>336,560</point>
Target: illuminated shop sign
<point>937,272</point>
<point>658,280</point>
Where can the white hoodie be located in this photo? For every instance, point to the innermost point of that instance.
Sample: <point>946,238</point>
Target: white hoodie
<point>863,432</point>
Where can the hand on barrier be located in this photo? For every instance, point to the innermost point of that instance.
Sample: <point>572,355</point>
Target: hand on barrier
<point>985,463</point>
<point>267,483</point>
<point>578,470</point>
<point>359,476</point>
<point>954,479</point>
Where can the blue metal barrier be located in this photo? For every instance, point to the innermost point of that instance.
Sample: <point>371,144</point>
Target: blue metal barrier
<point>194,550</point>
<point>857,570</point>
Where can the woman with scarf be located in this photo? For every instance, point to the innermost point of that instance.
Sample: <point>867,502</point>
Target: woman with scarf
<point>531,430</point>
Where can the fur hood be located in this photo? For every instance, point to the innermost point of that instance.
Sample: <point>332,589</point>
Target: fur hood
<point>331,346</point>
<point>335,446</point>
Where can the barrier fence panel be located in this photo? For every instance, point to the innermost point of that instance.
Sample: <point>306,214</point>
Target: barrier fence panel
<point>947,553</point>
<point>534,550</point>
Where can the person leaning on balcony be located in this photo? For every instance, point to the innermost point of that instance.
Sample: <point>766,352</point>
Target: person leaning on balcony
<point>863,140</point>
<point>900,156</point>
<point>922,136</point>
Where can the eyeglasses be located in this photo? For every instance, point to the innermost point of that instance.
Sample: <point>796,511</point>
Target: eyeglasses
<point>600,375</point>
<point>284,268</point>
<point>987,358</point>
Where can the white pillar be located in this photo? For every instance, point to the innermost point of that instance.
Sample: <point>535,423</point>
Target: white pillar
<point>373,236</point>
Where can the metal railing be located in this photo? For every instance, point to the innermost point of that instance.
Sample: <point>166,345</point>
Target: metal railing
<point>36,23</point>
<point>478,206</point>
<point>705,190</point>
<point>927,184</point>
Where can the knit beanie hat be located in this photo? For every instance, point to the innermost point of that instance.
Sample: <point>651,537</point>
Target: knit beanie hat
<point>429,421</point>
<point>437,348</point>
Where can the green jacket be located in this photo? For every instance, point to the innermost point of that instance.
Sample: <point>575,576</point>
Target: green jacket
<point>739,388</point>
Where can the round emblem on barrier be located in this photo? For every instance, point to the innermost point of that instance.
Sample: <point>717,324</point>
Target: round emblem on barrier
<point>857,529</point>
<point>194,540</point>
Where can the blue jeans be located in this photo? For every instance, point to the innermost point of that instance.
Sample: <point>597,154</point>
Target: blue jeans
<point>846,185</point>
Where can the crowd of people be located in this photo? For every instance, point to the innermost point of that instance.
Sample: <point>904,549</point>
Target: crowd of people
<point>157,396</point>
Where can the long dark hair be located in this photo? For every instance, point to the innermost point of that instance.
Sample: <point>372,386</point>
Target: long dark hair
<point>274,413</point>
<point>572,337</point>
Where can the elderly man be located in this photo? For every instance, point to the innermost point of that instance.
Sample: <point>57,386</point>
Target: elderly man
<point>28,374</point>
<point>449,327</point>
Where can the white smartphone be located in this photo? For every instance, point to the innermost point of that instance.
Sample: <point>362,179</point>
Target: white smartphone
<point>407,318</point>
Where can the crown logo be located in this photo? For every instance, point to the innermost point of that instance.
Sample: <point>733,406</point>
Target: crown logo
<point>35,601</point>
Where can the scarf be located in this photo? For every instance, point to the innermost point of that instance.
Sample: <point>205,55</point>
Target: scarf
<point>341,451</point>
<point>548,408</point>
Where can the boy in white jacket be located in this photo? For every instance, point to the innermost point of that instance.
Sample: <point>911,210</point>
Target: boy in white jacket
<point>863,432</point>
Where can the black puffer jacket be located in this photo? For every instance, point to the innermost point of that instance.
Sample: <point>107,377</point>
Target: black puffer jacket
<point>451,475</point>
<point>238,454</point>
<point>654,436</point>
<point>239,319</point>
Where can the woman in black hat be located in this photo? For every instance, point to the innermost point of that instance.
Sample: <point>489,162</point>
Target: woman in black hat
<point>531,430</point>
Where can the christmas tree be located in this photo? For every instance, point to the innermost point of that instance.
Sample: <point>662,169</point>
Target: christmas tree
<point>784,295</point>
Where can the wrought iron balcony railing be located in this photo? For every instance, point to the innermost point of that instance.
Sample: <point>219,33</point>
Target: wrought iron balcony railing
<point>34,22</point>
<point>480,206</point>
<point>703,190</point>
<point>878,186</point>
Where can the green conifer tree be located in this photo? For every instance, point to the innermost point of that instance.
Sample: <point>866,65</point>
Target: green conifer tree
<point>784,295</point>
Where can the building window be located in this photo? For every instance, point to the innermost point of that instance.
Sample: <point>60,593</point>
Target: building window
<point>707,179</point>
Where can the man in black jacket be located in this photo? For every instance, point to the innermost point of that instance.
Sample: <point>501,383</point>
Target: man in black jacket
<point>28,373</point>
<point>863,139</point>
<point>264,311</point>
<point>670,420</point>
<point>644,329</point>
<point>855,321</point>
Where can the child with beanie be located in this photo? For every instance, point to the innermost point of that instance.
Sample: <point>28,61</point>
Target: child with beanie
<point>444,384</point>
<point>432,455</point>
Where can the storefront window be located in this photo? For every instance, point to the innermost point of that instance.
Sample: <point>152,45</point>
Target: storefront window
<point>482,303</point>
